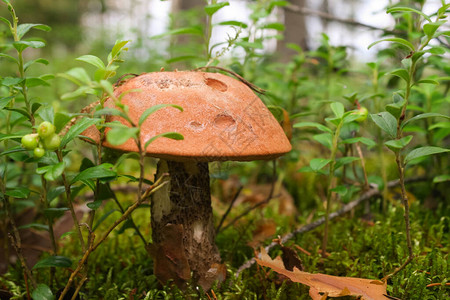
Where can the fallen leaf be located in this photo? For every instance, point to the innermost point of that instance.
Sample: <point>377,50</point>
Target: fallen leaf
<point>263,231</point>
<point>332,286</point>
<point>291,259</point>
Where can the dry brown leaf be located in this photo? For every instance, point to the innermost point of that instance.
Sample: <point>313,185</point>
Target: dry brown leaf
<point>333,286</point>
<point>263,231</point>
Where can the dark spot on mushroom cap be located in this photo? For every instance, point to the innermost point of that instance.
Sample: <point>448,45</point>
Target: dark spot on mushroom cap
<point>216,84</point>
<point>224,122</point>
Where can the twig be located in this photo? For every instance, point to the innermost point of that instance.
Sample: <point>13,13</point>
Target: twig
<point>122,211</point>
<point>345,209</point>
<point>27,270</point>
<point>248,83</point>
<point>229,209</point>
<point>92,247</point>
<point>330,17</point>
<point>265,201</point>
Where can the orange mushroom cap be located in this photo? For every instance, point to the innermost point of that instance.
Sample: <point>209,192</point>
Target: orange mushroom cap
<point>222,119</point>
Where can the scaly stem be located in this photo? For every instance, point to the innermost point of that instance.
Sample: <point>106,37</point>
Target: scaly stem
<point>329,186</point>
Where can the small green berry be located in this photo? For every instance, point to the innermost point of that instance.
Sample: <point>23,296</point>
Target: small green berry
<point>38,152</point>
<point>46,129</point>
<point>30,141</point>
<point>52,142</point>
<point>362,112</point>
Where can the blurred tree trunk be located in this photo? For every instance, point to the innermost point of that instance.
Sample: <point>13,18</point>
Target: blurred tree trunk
<point>295,32</point>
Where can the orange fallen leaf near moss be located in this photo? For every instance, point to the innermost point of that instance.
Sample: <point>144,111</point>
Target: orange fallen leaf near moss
<point>327,285</point>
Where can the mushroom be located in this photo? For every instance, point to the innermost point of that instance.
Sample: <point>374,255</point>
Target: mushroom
<point>222,120</point>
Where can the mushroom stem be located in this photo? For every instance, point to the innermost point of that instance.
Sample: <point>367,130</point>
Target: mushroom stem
<point>182,225</point>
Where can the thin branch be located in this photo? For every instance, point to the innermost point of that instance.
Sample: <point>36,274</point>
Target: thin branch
<point>93,246</point>
<point>345,209</point>
<point>265,201</point>
<point>229,208</point>
<point>307,11</point>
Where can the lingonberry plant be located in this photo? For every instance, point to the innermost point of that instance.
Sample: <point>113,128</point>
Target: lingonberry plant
<point>362,132</point>
<point>394,120</point>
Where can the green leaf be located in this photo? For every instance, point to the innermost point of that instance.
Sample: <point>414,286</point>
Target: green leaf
<point>308,169</point>
<point>363,140</point>
<point>395,109</point>
<point>170,135</point>
<point>427,81</point>
<point>94,204</point>
<point>386,122</point>
<point>233,23</point>
<point>53,261</point>
<point>275,26</point>
<point>55,212</point>
<point>35,225</point>
<point>251,45</point>
<point>398,144</point>
<point>38,60</point>
<point>402,73</point>
<point>93,60</point>
<point>394,40</point>
<point>344,160</point>
<point>325,139</point>
<point>22,29</point>
<point>430,28</point>
<point>35,81</point>
<point>117,48</point>
<point>441,178</point>
<point>5,101</point>
<point>22,45</point>
<point>77,129</point>
<point>42,292</point>
<point>318,163</point>
<point>109,111</point>
<point>77,76</point>
<point>101,171</point>
<point>194,30</point>
<point>423,151</point>
<point>338,109</point>
<point>340,189</point>
<point>60,120</point>
<point>6,21</point>
<point>120,134</point>
<point>408,9</point>
<point>107,86</point>
<point>334,121</point>
<point>103,218</point>
<point>313,124</point>
<point>18,192</point>
<point>436,50</point>
<point>11,81</point>
<point>51,172</point>
<point>81,91</point>
<point>155,108</point>
<point>213,8</point>
<point>423,116</point>
<point>9,57</point>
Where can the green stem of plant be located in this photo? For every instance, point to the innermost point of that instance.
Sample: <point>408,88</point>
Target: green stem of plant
<point>21,67</point>
<point>329,186</point>
<point>70,204</point>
